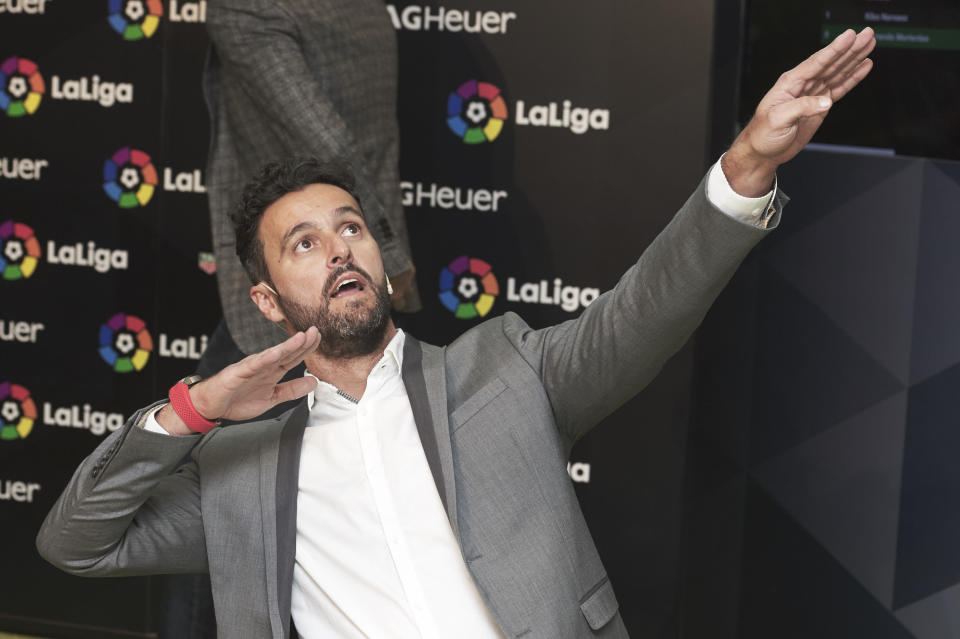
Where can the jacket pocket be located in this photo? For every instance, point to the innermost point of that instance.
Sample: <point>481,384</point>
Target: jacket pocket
<point>476,402</point>
<point>600,604</point>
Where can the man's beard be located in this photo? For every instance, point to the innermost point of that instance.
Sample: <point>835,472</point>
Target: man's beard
<point>354,332</point>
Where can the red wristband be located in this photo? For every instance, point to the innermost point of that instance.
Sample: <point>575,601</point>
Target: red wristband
<point>183,406</point>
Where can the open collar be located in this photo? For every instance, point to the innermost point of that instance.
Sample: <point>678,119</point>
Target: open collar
<point>326,391</point>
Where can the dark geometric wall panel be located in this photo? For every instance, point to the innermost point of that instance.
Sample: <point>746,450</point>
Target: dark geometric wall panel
<point>857,264</point>
<point>794,589</point>
<point>935,343</point>
<point>843,487</point>
<point>936,617</point>
<point>821,184</point>
<point>809,374</point>
<point>927,556</point>
<point>845,324</point>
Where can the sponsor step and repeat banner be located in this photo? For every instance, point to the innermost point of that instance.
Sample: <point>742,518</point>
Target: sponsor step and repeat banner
<point>543,146</point>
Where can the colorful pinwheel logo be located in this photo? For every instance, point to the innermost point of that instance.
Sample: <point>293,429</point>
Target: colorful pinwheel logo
<point>468,287</point>
<point>134,19</point>
<point>17,411</point>
<point>21,87</point>
<point>476,112</point>
<point>125,343</point>
<point>129,178</point>
<point>19,250</point>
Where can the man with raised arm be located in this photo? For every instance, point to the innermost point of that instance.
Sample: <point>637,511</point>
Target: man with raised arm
<point>414,491</point>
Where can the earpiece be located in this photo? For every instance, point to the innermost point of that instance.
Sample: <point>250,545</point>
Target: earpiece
<point>270,288</point>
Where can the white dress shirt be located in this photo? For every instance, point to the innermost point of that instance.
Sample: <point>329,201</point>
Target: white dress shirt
<point>376,556</point>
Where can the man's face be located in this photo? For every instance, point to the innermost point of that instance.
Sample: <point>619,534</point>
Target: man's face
<point>326,269</point>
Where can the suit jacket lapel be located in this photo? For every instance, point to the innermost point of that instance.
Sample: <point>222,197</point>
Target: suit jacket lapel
<point>279,478</point>
<point>425,380</point>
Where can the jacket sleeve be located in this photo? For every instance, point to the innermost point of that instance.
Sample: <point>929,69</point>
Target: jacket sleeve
<point>131,508</point>
<point>591,365</point>
<point>259,41</point>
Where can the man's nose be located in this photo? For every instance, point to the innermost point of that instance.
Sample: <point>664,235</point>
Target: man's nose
<point>339,251</point>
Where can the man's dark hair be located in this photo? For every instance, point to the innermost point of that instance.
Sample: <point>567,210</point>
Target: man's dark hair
<point>275,180</point>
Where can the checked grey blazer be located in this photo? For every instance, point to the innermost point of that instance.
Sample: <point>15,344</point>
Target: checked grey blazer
<point>498,411</point>
<point>293,78</point>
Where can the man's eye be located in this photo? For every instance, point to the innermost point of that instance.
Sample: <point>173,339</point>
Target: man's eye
<point>304,245</point>
<point>352,229</point>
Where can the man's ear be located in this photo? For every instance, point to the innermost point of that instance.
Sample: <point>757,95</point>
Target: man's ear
<point>266,300</point>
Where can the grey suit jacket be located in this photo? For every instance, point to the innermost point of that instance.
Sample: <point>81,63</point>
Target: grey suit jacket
<point>292,78</point>
<point>498,411</point>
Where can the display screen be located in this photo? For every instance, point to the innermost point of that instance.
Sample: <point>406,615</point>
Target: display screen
<point>910,102</point>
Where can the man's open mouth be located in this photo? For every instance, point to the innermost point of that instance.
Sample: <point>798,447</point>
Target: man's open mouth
<point>347,286</point>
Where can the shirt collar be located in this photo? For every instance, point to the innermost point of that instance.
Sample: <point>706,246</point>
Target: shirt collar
<point>393,352</point>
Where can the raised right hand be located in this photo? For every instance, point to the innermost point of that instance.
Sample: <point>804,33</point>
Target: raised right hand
<point>249,387</point>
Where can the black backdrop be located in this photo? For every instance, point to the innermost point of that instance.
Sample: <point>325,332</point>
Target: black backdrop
<point>577,207</point>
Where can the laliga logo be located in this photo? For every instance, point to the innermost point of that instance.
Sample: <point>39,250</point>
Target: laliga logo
<point>476,111</point>
<point>17,411</point>
<point>125,343</point>
<point>21,87</point>
<point>468,287</point>
<point>129,178</point>
<point>20,253</point>
<point>19,250</point>
<point>134,19</point>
